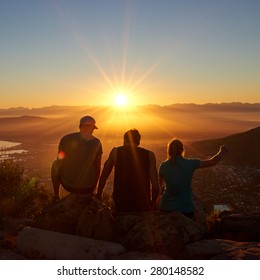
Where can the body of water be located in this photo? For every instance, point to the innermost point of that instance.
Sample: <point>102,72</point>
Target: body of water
<point>6,144</point>
<point>6,149</point>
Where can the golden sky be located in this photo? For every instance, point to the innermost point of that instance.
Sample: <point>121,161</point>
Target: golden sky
<point>155,52</point>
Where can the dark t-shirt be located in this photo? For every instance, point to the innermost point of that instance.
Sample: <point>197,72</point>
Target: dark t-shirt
<point>79,169</point>
<point>131,180</point>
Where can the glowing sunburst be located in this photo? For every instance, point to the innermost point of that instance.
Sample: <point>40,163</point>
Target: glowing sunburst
<point>121,100</point>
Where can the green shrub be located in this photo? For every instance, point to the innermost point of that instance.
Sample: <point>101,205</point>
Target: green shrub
<point>11,178</point>
<point>31,199</point>
<point>20,197</point>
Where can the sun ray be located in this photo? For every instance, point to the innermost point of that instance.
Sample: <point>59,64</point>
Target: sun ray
<point>129,18</point>
<point>118,79</point>
<point>75,29</point>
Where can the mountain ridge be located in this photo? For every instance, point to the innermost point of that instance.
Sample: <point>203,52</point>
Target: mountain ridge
<point>243,148</point>
<point>231,106</point>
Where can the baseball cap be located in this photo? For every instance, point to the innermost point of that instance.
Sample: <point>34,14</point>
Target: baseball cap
<point>88,120</point>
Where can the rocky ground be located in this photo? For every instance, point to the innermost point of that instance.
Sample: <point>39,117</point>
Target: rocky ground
<point>71,230</point>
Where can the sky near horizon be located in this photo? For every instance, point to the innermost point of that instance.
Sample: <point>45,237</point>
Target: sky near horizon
<point>83,52</point>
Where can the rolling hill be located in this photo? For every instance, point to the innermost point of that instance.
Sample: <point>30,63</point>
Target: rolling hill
<point>244,148</point>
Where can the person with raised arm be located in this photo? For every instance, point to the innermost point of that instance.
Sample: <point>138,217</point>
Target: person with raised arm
<point>175,177</point>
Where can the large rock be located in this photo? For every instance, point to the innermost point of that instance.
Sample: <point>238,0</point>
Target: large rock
<point>240,227</point>
<point>153,233</point>
<point>36,243</point>
<point>96,224</point>
<point>157,232</point>
<point>219,249</point>
<point>71,215</point>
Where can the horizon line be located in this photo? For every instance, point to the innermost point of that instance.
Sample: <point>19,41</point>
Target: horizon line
<point>132,106</point>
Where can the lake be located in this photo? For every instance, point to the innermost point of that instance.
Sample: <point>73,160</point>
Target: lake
<point>6,144</point>
<point>5,151</point>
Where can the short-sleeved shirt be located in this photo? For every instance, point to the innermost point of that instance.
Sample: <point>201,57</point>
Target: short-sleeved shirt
<point>178,176</point>
<point>79,165</point>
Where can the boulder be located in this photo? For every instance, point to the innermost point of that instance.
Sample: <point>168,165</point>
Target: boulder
<point>219,249</point>
<point>61,216</point>
<point>90,218</point>
<point>240,227</point>
<point>96,224</point>
<point>36,243</point>
<point>156,232</point>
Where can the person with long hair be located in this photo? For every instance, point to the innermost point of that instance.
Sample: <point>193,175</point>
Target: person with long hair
<point>175,178</point>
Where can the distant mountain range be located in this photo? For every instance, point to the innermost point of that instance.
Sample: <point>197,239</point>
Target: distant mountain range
<point>188,122</point>
<point>20,119</point>
<point>179,107</point>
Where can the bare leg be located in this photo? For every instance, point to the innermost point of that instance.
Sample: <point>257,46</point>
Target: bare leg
<point>55,178</point>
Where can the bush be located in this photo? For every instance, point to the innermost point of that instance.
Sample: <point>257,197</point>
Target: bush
<point>20,197</point>
<point>31,199</point>
<point>11,178</point>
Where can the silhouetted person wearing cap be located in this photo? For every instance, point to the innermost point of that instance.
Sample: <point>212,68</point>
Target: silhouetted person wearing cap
<point>136,185</point>
<point>77,167</point>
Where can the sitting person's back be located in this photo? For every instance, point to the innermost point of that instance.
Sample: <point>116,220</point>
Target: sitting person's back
<point>135,172</point>
<point>132,179</point>
<point>77,167</point>
<point>78,172</point>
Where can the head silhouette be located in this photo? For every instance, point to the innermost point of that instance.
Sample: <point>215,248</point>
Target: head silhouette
<point>175,148</point>
<point>132,137</point>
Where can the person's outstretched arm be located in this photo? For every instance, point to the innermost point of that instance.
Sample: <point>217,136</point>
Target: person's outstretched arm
<point>108,166</point>
<point>215,159</point>
<point>154,179</point>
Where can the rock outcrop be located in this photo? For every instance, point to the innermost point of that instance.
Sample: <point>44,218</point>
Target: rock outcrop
<point>157,232</point>
<point>87,230</point>
<point>151,233</point>
<point>220,249</point>
<point>42,244</point>
<point>241,227</point>
<point>90,219</point>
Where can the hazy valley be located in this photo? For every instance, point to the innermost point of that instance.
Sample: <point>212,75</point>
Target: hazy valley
<point>236,181</point>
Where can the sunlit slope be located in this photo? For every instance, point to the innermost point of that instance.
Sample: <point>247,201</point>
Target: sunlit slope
<point>244,148</point>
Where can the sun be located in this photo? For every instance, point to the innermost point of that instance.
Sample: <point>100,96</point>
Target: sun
<point>121,100</point>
